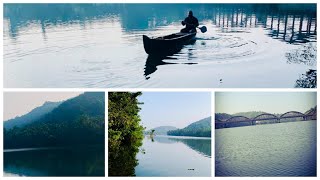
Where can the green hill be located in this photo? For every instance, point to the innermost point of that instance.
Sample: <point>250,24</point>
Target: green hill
<point>77,121</point>
<point>201,128</point>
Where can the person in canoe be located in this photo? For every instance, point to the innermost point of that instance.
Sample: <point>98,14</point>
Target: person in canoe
<point>190,22</point>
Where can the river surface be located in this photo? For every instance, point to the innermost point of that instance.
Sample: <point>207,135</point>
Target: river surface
<point>54,162</point>
<point>174,156</point>
<point>100,45</point>
<point>283,149</point>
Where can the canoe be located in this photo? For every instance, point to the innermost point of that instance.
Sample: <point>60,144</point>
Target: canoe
<point>166,45</point>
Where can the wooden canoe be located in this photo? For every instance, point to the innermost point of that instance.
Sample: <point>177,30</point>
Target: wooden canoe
<point>166,45</point>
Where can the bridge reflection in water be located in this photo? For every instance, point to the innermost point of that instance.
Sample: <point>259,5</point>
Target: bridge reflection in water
<point>266,118</point>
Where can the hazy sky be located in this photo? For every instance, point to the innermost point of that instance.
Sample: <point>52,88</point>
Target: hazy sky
<point>271,102</point>
<point>20,103</point>
<point>177,109</point>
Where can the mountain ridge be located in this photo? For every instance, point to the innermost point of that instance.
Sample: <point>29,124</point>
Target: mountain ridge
<point>201,128</point>
<point>32,116</point>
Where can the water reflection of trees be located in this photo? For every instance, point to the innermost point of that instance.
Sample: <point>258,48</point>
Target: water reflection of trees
<point>202,146</point>
<point>292,23</point>
<point>122,161</point>
<point>306,55</point>
<point>307,80</point>
<point>82,161</point>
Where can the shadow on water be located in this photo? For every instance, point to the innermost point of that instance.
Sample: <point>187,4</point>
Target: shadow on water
<point>153,61</point>
<point>56,162</point>
<point>201,146</point>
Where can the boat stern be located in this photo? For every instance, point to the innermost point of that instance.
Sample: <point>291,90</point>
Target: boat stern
<point>146,43</point>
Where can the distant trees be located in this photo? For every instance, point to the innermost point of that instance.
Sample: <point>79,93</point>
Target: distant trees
<point>125,133</point>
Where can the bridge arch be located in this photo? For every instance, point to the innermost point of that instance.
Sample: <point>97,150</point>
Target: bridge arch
<point>292,113</point>
<point>270,116</point>
<point>237,119</point>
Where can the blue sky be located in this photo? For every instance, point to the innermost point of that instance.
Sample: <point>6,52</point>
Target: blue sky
<point>177,109</point>
<point>271,102</point>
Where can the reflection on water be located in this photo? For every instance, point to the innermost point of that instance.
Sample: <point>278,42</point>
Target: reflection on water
<point>306,54</point>
<point>152,62</point>
<point>100,45</point>
<point>289,23</point>
<point>203,148</point>
<point>122,161</point>
<point>163,156</point>
<point>55,162</point>
<point>282,149</point>
<point>174,156</point>
<point>307,80</point>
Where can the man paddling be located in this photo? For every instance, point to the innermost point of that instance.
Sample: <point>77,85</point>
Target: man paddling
<point>190,22</point>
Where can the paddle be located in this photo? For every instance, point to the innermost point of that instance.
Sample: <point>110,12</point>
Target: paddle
<point>203,29</point>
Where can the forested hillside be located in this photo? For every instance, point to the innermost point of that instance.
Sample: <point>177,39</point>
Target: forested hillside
<point>77,121</point>
<point>200,128</point>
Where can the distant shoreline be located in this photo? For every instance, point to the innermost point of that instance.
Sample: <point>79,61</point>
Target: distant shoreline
<point>181,137</point>
<point>49,148</point>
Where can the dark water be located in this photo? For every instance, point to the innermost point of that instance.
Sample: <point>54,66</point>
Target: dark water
<point>100,45</point>
<point>54,162</point>
<point>285,149</point>
<point>174,156</point>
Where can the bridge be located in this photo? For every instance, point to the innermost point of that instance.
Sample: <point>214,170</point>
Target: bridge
<point>266,118</point>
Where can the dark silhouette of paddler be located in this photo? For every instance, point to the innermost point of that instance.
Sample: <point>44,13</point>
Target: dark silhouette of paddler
<point>190,22</point>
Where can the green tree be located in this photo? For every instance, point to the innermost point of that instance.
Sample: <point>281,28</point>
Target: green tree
<point>125,133</point>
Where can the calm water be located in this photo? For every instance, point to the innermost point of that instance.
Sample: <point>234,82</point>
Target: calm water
<point>54,162</point>
<point>285,149</point>
<point>173,156</point>
<point>100,45</point>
